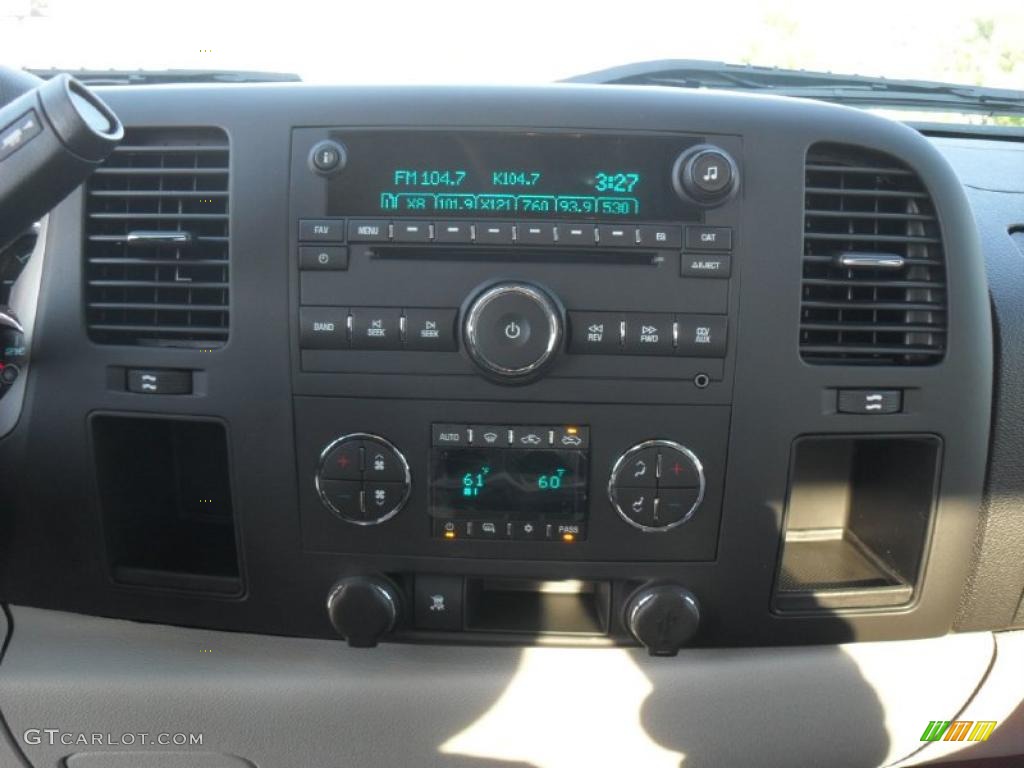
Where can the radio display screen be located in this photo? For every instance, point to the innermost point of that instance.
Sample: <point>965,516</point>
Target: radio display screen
<point>531,175</point>
<point>510,484</point>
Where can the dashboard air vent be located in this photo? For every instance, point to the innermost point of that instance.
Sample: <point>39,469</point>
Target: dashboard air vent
<point>874,278</point>
<point>157,240</point>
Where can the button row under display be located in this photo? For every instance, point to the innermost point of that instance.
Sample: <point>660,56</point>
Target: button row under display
<point>518,233</point>
<point>519,530</point>
<point>387,328</point>
<point>637,333</point>
<point>454,435</point>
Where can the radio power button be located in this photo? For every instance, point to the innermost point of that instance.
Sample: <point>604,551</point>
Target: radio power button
<point>512,331</point>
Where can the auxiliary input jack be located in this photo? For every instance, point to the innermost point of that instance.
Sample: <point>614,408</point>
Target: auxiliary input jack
<point>701,380</point>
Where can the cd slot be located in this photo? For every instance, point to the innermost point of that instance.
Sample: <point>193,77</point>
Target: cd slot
<point>519,255</point>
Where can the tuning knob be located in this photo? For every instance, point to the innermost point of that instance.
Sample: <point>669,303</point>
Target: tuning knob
<point>363,609</point>
<point>512,331</point>
<point>705,175</point>
<point>663,617</point>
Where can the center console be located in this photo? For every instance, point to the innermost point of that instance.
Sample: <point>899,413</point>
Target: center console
<point>566,364</point>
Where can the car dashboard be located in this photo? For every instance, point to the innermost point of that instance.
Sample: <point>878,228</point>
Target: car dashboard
<point>577,366</point>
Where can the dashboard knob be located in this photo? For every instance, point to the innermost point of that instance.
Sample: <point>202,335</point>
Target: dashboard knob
<point>663,618</point>
<point>363,479</point>
<point>363,609</point>
<point>705,175</point>
<point>512,331</point>
<point>657,485</point>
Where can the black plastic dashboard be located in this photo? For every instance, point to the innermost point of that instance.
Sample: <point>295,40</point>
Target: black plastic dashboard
<point>804,514</point>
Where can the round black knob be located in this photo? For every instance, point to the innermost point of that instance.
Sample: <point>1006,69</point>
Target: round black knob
<point>328,157</point>
<point>512,331</point>
<point>663,617</point>
<point>706,175</point>
<point>363,609</point>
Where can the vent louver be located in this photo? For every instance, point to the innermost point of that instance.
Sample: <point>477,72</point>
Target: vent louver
<point>157,240</point>
<point>874,278</point>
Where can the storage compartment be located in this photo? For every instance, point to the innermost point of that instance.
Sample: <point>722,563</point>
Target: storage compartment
<point>537,607</point>
<point>165,497</point>
<point>856,522</point>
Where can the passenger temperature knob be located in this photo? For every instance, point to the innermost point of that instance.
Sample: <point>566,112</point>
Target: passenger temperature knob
<point>663,617</point>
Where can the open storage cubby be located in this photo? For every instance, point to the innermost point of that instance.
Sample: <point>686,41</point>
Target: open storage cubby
<point>165,496</point>
<point>857,521</point>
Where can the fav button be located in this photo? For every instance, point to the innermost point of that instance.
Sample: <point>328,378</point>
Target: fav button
<point>322,229</point>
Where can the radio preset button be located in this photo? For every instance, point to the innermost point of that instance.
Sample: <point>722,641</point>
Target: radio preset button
<point>705,266</point>
<point>453,232</point>
<point>577,234</point>
<point>494,232</point>
<point>701,335</point>
<point>323,328</point>
<point>312,257</point>
<point>324,230</point>
<point>616,235</point>
<point>648,334</point>
<point>536,233</point>
<point>656,236</point>
<point>368,231</point>
<point>597,333</point>
<point>412,232</point>
<point>375,328</point>
<point>430,329</point>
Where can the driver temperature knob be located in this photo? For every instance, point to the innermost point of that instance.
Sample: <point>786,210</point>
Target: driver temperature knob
<point>512,331</point>
<point>363,609</point>
<point>663,617</point>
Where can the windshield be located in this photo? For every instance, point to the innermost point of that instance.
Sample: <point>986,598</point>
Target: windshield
<point>531,41</point>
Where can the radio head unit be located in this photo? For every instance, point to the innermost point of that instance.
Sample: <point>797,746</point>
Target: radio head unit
<point>531,175</point>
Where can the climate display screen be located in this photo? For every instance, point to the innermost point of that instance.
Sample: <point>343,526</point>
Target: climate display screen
<point>508,175</point>
<point>512,484</point>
